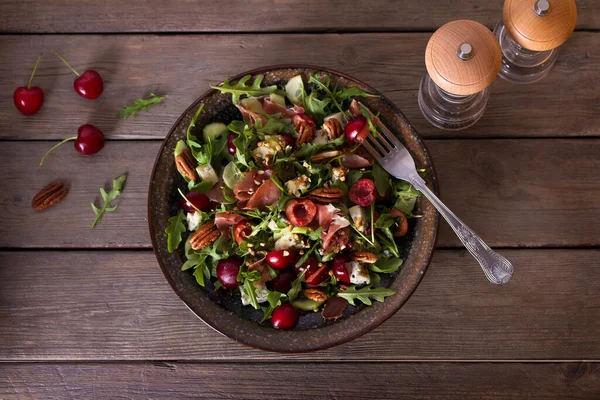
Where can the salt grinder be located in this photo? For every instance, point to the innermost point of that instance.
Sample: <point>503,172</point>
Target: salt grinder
<point>462,59</point>
<point>530,33</point>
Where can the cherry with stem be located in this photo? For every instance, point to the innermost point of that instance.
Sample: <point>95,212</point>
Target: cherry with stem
<point>89,140</point>
<point>89,84</point>
<point>28,99</point>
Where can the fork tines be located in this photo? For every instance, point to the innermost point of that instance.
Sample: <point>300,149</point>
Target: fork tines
<point>385,141</point>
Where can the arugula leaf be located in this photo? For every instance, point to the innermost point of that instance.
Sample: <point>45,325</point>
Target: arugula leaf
<point>353,176</point>
<point>325,87</point>
<point>345,93</point>
<point>315,106</point>
<point>366,294</point>
<point>407,196</point>
<point>139,105</point>
<point>201,187</point>
<point>296,286</point>
<point>192,124</point>
<point>108,198</point>
<point>275,124</point>
<point>274,299</point>
<point>241,88</point>
<point>370,120</point>
<point>252,276</point>
<point>307,254</point>
<point>388,266</point>
<point>250,291</point>
<point>174,231</point>
<point>381,178</point>
<point>200,273</point>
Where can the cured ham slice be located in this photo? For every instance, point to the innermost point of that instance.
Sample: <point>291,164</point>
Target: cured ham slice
<point>267,194</point>
<point>225,220</point>
<point>250,184</point>
<point>330,219</point>
<point>249,116</point>
<point>287,112</point>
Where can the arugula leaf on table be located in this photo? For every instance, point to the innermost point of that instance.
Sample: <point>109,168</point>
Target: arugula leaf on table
<point>381,178</point>
<point>139,105</point>
<point>274,299</point>
<point>108,198</point>
<point>386,266</point>
<point>174,231</point>
<point>366,294</point>
<point>241,88</point>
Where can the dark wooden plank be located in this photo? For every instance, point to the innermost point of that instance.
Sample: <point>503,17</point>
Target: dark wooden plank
<point>255,16</point>
<point>503,189</point>
<point>116,305</point>
<point>564,104</point>
<point>308,381</point>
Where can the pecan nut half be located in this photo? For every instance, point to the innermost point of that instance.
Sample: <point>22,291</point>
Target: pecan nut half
<point>204,236</point>
<point>325,156</point>
<point>49,196</point>
<point>327,195</point>
<point>305,133</point>
<point>315,295</point>
<point>186,164</point>
<point>364,257</point>
<point>333,127</point>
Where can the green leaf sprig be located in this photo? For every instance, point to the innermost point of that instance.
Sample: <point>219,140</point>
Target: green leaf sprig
<point>366,294</point>
<point>174,231</point>
<point>108,198</point>
<point>139,105</point>
<point>240,88</point>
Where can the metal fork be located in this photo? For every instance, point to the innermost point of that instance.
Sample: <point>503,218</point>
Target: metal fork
<point>396,160</point>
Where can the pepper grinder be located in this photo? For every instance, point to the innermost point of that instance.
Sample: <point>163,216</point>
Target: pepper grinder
<point>462,59</point>
<point>530,33</point>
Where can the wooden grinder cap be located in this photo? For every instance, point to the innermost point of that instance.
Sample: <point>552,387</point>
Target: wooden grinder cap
<point>539,24</point>
<point>463,57</point>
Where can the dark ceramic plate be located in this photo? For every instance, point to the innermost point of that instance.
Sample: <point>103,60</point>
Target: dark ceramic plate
<point>226,313</point>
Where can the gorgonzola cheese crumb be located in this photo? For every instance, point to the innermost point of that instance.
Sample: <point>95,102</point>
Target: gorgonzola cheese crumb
<point>320,137</point>
<point>295,186</point>
<point>359,217</point>
<point>193,220</point>
<point>359,274</point>
<point>339,174</point>
<point>261,294</point>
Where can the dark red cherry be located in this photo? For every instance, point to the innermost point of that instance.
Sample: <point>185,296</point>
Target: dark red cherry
<point>89,84</point>
<point>319,276</point>
<point>197,200</point>
<point>230,146</point>
<point>362,192</point>
<point>288,139</point>
<point>89,140</point>
<point>280,259</point>
<point>300,212</point>
<point>242,230</point>
<point>311,263</point>
<point>339,269</point>
<point>283,281</point>
<point>228,270</point>
<point>29,99</point>
<point>284,316</point>
<point>357,129</point>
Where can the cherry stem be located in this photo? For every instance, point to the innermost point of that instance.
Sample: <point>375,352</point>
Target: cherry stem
<point>34,69</point>
<point>66,63</point>
<point>54,147</point>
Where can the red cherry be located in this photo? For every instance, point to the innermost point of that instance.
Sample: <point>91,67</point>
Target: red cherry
<point>280,259</point>
<point>319,276</point>
<point>339,269</point>
<point>311,263</point>
<point>283,281</point>
<point>402,223</point>
<point>300,212</point>
<point>242,230</point>
<point>89,140</point>
<point>362,192</point>
<point>284,316</point>
<point>230,146</point>
<point>197,200</point>
<point>89,84</point>
<point>357,129</point>
<point>29,99</point>
<point>288,139</point>
<point>228,270</point>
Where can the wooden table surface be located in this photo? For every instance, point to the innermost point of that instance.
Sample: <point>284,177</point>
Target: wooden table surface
<point>88,314</point>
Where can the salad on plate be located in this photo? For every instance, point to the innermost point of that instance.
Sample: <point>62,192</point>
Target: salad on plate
<point>284,208</point>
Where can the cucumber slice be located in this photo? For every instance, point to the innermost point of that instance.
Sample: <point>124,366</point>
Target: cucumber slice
<point>181,146</point>
<point>232,175</point>
<point>294,89</point>
<point>306,304</point>
<point>214,131</point>
<point>252,104</point>
<point>277,99</point>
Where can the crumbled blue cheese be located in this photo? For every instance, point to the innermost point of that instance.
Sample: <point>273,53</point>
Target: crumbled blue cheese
<point>261,294</point>
<point>339,174</point>
<point>288,241</point>
<point>294,187</point>
<point>193,220</point>
<point>359,217</point>
<point>320,137</point>
<point>207,173</point>
<point>359,274</point>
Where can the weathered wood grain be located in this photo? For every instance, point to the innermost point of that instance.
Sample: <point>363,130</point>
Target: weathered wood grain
<point>512,192</point>
<point>565,103</point>
<point>116,305</point>
<point>308,381</point>
<point>69,16</point>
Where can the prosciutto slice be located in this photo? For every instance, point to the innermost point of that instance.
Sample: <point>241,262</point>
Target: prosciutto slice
<point>225,220</point>
<point>249,116</point>
<point>274,108</point>
<point>330,219</point>
<point>250,184</point>
<point>267,194</point>
<point>215,193</point>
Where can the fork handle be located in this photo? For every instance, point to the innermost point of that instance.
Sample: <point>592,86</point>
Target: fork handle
<point>495,267</point>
